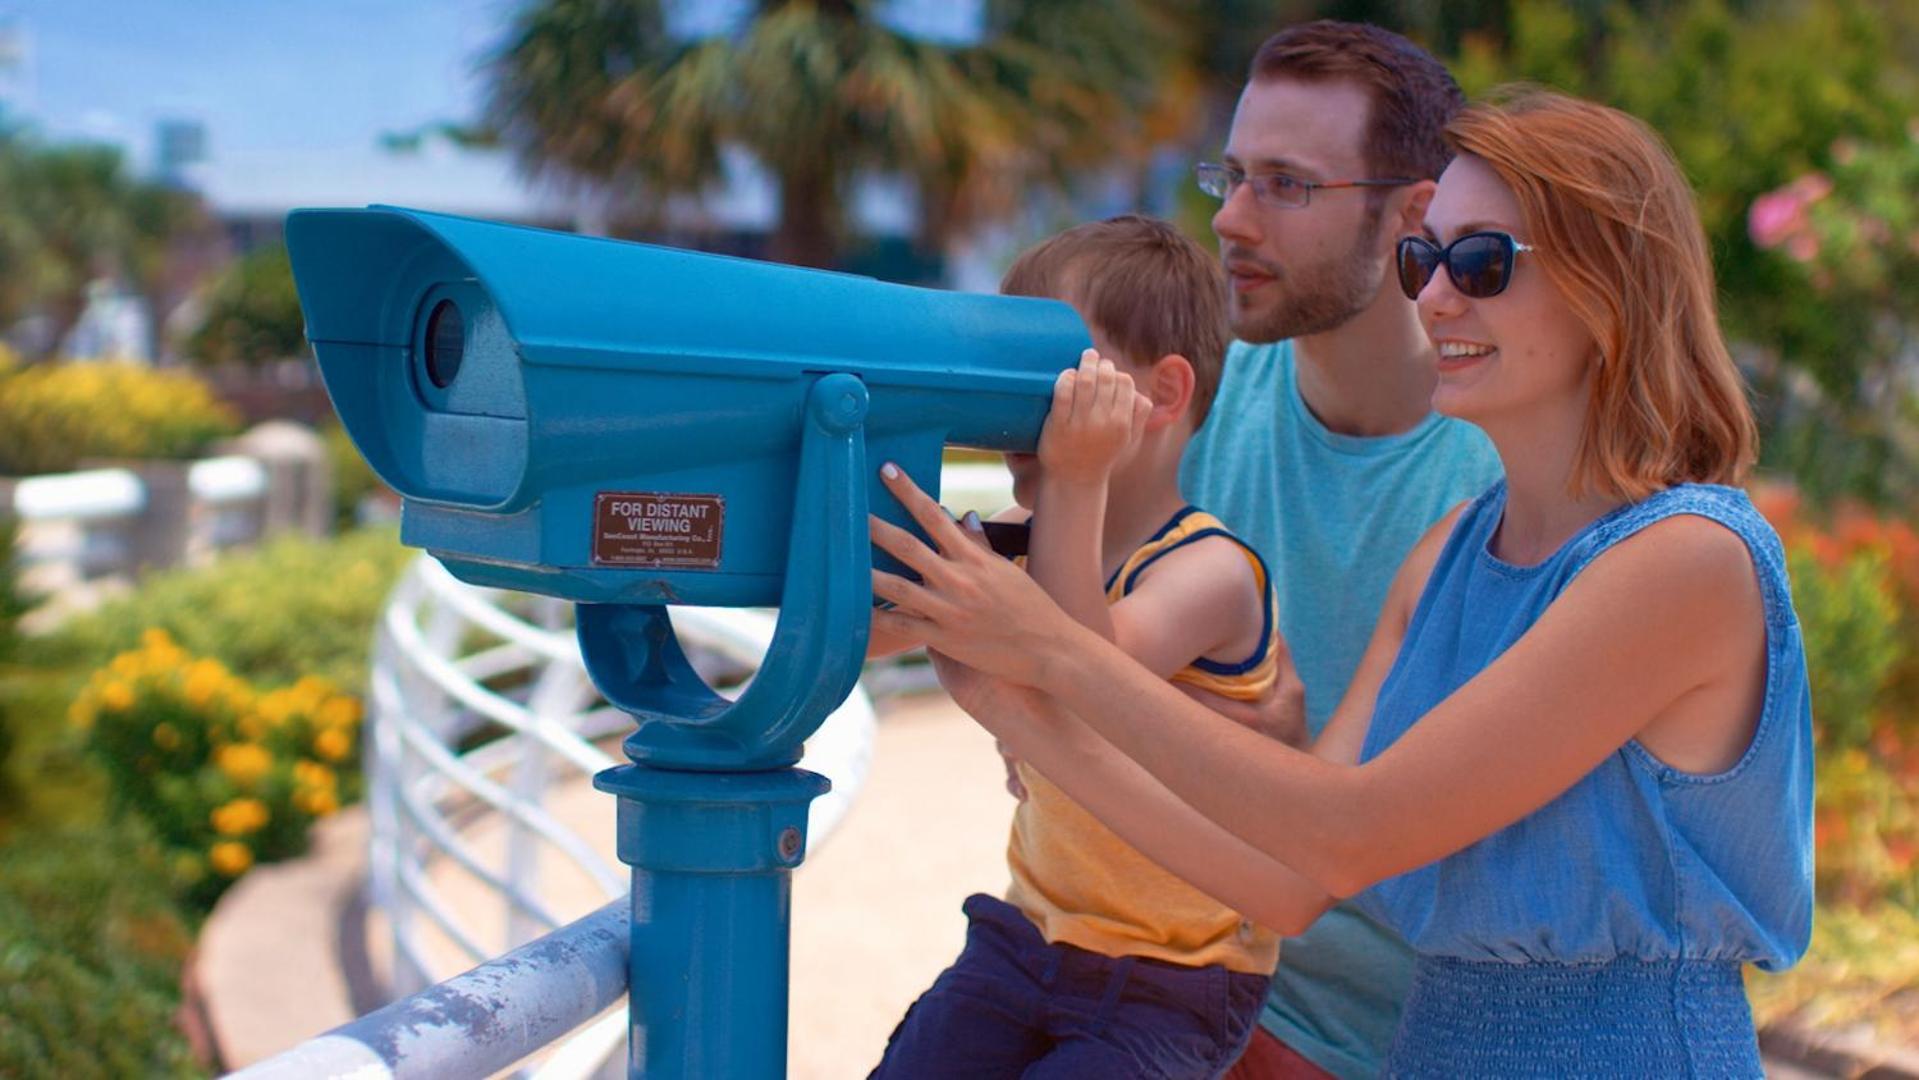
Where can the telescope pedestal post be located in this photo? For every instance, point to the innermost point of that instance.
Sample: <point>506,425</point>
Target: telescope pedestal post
<point>712,856</point>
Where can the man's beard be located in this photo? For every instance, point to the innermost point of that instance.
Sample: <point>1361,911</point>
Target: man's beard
<point>1316,299</point>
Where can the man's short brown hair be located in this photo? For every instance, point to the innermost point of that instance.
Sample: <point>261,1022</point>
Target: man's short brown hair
<point>1414,97</point>
<point>1144,285</point>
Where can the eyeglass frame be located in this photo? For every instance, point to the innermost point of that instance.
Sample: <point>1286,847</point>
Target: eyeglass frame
<point>1443,259</point>
<point>1262,182</point>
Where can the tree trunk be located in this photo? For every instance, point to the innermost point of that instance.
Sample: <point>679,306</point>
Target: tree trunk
<point>805,236</point>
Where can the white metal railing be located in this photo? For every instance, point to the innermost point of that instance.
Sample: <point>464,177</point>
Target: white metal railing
<point>480,709</point>
<point>80,527</point>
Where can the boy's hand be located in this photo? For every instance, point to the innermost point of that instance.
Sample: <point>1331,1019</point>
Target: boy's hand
<point>1095,423</point>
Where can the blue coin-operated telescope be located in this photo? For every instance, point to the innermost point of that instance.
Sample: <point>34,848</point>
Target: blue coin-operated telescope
<point>632,427</point>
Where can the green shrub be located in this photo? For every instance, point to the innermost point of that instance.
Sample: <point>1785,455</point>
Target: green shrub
<point>291,608</point>
<point>12,606</point>
<point>1856,589</point>
<point>91,949</point>
<point>227,776</point>
<point>56,415</point>
<point>1849,616</point>
<point>252,313</point>
<point>353,478</point>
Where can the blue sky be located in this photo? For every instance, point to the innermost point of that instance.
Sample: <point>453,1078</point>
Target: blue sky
<point>294,94</point>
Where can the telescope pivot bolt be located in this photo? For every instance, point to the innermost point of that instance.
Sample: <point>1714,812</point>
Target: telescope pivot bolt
<point>790,845</point>
<point>839,402</point>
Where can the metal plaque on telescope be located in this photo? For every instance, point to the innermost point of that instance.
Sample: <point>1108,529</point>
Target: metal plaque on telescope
<point>658,529</point>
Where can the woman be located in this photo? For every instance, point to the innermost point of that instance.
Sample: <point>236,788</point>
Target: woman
<point>1574,768</point>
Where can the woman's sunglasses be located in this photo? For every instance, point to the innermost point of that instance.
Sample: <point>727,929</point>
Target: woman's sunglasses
<point>1480,264</point>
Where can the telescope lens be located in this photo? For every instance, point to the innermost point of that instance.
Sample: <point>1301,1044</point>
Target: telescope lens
<point>445,343</point>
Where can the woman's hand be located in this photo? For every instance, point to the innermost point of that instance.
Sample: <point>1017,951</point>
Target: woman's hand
<point>970,604</point>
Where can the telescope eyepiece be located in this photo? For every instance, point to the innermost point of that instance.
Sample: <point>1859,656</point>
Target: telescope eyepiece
<point>445,343</point>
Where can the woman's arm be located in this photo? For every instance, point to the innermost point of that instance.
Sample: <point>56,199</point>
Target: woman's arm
<point>1645,624</point>
<point>1138,808</point>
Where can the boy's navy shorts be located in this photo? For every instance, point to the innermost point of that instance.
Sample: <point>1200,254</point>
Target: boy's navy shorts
<point>1014,1006</point>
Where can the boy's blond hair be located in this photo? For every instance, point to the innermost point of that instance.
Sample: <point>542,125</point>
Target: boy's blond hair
<point>1146,286</point>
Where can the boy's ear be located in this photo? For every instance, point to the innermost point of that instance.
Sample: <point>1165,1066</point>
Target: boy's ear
<point>1169,382</point>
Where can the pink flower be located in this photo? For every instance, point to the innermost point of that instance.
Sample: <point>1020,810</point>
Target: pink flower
<point>1775,216</point>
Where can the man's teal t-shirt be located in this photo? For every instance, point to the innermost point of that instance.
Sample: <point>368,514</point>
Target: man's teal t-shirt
<point>1333,516</point>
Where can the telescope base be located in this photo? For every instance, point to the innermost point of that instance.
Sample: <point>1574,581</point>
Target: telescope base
<point>712,856</point>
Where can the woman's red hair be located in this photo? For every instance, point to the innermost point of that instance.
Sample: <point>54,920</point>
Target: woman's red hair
<point>1613,218</point>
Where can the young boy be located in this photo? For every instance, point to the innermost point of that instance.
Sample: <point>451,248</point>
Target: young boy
<point>1099,962</point>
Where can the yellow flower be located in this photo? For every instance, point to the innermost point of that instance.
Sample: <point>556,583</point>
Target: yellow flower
<point>275,708</point>
<point>128,665</point>
<point>313,687</point>
<point>204,679</point>
<point>155,638</point>
<point>230,857</point>
<point>318,802</point>
<point>116,696</point>
<point>166,736</point>
<point>342,711</point>
<point>244,763</point>
<point>333,744</point>
<point>240,817</point>
<point>312,774</point>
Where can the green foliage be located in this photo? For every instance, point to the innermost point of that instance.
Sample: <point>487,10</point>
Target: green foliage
<point>57,415</point>
<point>1856,588</point>
<point>91,950</point>
<point>1850,620</point>
<point>253,313</point>
<point>12,606</point>
<point>292,608</point>
<point>353,478</point>
<point>68,212</point>
<point>226,776</point>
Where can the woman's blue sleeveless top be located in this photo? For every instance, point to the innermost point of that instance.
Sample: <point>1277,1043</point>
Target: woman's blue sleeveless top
<point>1602,933</point>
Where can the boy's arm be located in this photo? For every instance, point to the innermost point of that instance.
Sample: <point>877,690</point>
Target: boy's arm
<point>1194,601</point>
<point>1096,420</point>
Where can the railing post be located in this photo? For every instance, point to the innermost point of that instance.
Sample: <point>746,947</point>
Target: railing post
<point>712,857</point>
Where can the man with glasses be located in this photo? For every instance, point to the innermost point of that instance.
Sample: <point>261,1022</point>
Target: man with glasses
<point>1322,449</point>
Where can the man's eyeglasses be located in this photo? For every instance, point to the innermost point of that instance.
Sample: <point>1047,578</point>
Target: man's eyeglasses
<point>1274,189</point>
<point>1480,264</point>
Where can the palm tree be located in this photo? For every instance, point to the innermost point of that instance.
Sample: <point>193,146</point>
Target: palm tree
<point>821,91</point>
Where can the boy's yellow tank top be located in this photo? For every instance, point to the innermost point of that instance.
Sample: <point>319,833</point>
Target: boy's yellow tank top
<point>1081,884</point>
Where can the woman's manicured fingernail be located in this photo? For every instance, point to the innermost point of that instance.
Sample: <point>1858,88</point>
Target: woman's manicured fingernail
<point>971,521</point>
<point>890,471</point>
